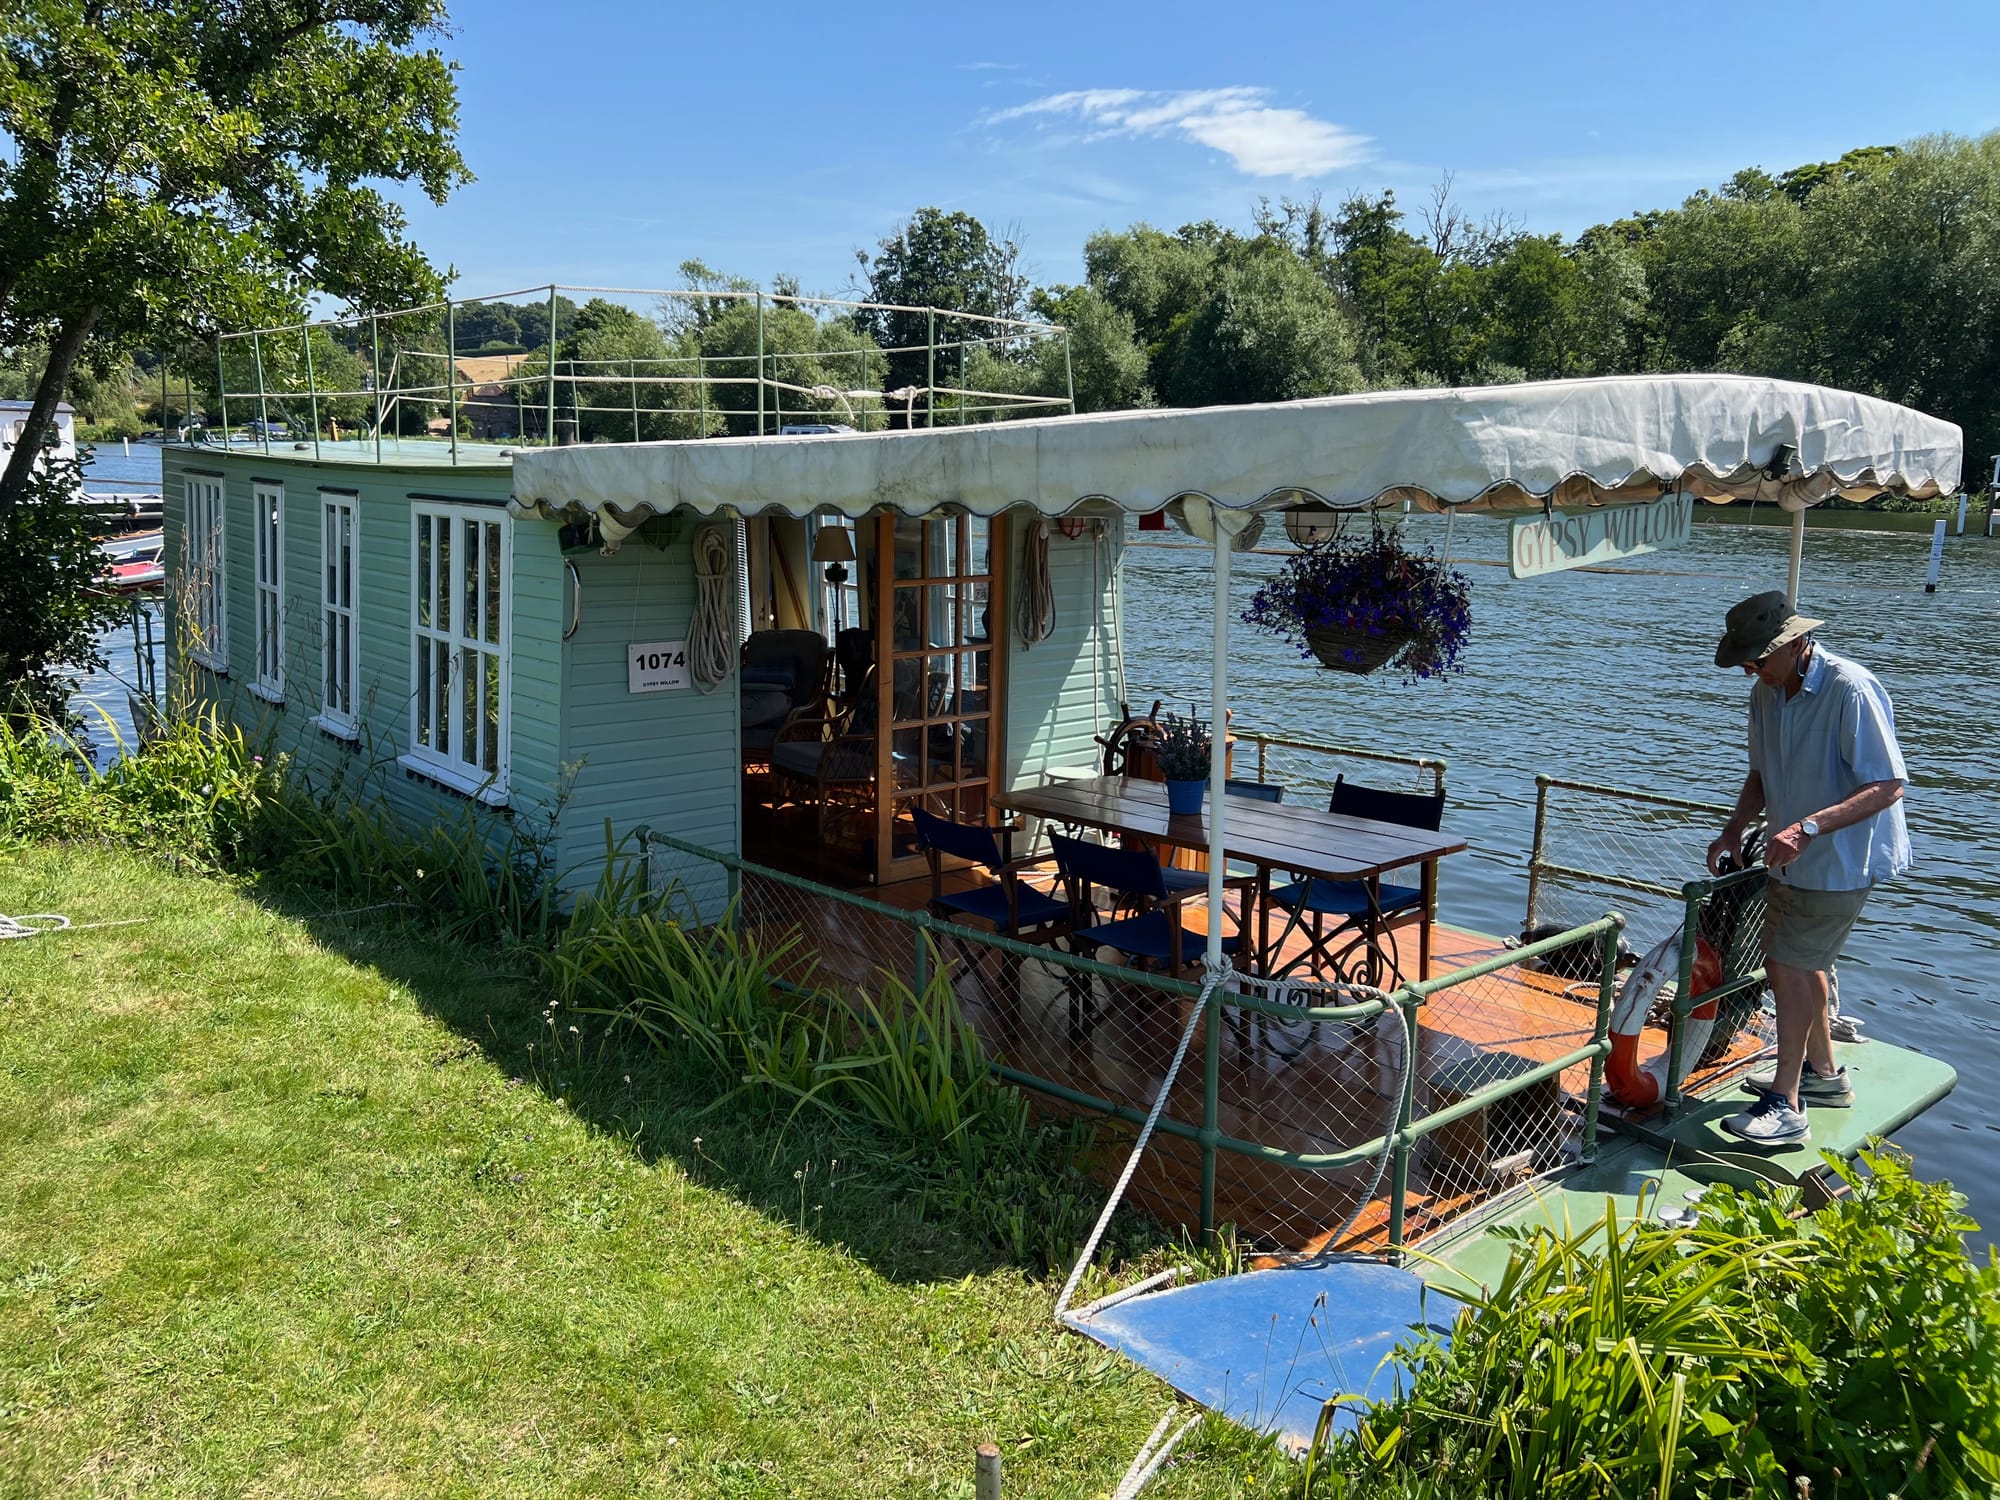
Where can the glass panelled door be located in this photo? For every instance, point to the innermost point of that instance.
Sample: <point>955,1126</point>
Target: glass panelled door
<point>938,676</point>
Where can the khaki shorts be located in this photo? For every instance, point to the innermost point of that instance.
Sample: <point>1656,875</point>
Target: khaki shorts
<point>1806,928</point>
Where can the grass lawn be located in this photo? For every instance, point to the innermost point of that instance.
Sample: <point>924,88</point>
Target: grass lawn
<point>297,1205</point>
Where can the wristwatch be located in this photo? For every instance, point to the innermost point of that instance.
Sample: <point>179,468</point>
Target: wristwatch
<point>1809,827</point>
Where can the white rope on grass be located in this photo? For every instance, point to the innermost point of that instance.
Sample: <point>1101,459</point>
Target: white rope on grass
<point>35,924</point>
<point>1211,979</point>
<point>55,921</point>
<point>1151,1455</point>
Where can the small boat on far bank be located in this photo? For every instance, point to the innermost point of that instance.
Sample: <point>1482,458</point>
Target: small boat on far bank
<point>137,562</point>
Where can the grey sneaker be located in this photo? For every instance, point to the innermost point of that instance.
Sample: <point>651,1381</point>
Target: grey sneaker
<point>1770,1122</point>
<point>1829,1089</point>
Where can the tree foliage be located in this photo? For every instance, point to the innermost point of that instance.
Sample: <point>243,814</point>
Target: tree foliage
<point>946,261</point>
<point>53,602</point>
<point>184,165</point>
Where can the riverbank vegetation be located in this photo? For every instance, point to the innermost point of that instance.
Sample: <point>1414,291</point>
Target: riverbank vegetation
<point>339,1159</point>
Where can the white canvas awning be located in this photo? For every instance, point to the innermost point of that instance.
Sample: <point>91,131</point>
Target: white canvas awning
<point>1569,443</point>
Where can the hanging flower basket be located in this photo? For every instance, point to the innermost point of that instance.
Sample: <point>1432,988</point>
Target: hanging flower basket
<point>1364,600</point>
<point>1356,651</point>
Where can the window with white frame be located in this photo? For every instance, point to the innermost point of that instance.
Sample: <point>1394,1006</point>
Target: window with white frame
<point>459,630</point>
<point>205,599</point>
<point>267,515</point>
<point>338,635</point>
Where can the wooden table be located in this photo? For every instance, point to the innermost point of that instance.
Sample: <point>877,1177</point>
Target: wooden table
<point>1307,841</point>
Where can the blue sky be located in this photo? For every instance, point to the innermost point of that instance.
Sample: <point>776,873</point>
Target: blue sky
<point>614,140</point>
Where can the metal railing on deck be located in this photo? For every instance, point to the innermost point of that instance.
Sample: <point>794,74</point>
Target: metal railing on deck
<point>1417,1073</point>
<point>713,362</point>
<point>1282,758</point>
<point>1591,840</point>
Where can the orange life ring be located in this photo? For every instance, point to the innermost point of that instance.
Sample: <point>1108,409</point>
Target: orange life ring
<point>1637,1084</point>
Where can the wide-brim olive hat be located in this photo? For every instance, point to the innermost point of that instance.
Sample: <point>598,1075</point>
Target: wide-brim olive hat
<point>1758,626</point>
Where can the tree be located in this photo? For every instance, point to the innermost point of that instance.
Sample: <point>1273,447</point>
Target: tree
<point>53,603</point>
<point>1104,360</point>
<point>1269,330</point>
<point>184,165</point>
<point>947,261</point>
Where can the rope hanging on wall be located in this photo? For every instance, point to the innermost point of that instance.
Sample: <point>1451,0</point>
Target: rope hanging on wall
<point>712,633</point>
<point>1035,617</point>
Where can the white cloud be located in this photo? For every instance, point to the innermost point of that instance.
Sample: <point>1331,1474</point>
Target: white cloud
<point>1260,139</point>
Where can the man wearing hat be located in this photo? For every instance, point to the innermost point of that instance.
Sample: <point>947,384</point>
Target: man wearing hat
<point>1828,778</point>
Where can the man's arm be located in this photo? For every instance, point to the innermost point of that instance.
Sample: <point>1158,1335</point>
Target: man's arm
<point>1789,843</point>
<point>1749,803</point>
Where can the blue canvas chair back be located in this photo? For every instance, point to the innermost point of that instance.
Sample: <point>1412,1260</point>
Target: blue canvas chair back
<point>1256,791</point>
<point>1135,872</point>
<point>1410,809</point>
<point>957,839</point>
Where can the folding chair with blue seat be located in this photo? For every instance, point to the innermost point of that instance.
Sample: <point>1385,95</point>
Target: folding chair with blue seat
<point>1009,904</point>
<point>1361,912</point>
<point>1153,933</point>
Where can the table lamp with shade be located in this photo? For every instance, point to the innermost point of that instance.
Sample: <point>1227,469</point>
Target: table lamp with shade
<point>834,546</point>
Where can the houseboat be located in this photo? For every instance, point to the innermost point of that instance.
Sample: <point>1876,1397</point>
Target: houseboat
<point>788,662</point>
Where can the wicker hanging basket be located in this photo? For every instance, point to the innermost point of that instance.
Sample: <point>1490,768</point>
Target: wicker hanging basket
<point>1356,651</point>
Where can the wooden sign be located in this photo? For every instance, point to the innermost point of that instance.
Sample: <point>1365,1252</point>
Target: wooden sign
<point>1552,544</point>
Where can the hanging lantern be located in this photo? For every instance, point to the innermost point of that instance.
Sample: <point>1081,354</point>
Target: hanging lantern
<point>1074,526</point>
<point>1310,525</point>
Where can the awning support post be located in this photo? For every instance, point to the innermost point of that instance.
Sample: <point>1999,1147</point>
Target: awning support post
<point>1798,554</point>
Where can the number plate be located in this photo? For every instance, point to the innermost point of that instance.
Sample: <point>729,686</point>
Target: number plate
<point>656,666</point>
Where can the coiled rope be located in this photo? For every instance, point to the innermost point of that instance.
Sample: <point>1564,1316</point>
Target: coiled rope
<point>42,923</point>
<point>33,925</point>
<point>711,636</point>
<point>1035,616</point>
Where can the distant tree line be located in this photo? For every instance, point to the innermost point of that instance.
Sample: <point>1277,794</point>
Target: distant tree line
<point>1879,272</point>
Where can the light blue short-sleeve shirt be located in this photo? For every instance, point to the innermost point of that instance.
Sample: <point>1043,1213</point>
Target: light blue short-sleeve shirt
<point>1820,747</point>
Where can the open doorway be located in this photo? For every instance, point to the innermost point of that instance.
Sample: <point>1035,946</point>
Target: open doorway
<point>872,682</point>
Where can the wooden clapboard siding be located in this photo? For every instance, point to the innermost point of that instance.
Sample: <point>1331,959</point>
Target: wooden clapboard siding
<point>384,500</point>
<point>669,761</point>
<point>1063,691</point>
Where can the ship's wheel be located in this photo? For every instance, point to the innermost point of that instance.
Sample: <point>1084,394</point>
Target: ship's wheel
<point>1132,732</point>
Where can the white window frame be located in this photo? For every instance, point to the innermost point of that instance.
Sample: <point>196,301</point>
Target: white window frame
<point>205,572</point>
<point>267,526</point>
<point>439,647</point>
<point>339,615</point>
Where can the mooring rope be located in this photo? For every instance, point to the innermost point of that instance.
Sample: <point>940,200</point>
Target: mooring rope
<point>712,645</point>
<point>30,925</point>
<point>1036,616</point>
<point>1211,979</point>
<point>55,921</point>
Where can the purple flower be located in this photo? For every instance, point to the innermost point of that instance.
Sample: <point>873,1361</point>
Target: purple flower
<point>1372,584</point>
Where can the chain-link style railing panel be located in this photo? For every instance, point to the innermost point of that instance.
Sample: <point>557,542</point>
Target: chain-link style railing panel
<point>1307,769</point>
<point>1649,853</point>
<point>1303,1115</point>
<point>1500,1028</point>
<point>1596,845</point>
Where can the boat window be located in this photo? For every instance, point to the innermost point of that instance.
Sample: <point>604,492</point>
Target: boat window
<point>202,566</point>
<point>459,647</point>
<point>267,518</point>
<point>337,617</point>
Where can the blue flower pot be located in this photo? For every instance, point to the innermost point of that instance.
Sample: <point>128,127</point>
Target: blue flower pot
<point>1185,796</point>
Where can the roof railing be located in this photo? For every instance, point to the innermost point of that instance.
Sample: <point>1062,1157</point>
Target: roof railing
<point>405,375</point>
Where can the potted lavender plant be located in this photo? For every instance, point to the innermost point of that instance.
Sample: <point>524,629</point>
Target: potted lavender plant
<point>1182,749</point>
<point>1360,602</point>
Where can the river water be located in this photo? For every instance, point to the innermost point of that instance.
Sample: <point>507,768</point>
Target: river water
<point>1607,677</point>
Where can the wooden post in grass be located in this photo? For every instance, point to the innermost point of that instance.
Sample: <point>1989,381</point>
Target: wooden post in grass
<point>986,1473</point>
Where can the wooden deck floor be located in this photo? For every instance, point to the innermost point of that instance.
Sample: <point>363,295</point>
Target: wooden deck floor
<point>1282,1085</point>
